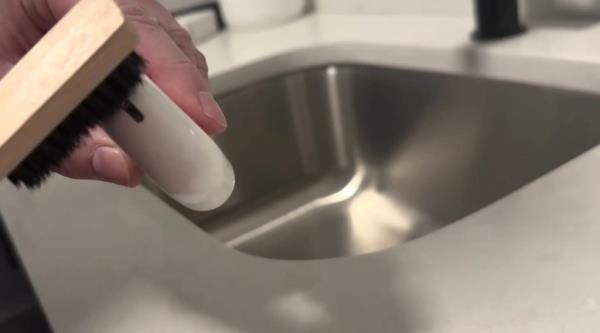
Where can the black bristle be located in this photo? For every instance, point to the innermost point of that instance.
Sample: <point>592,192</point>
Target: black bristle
<point>104,101</point>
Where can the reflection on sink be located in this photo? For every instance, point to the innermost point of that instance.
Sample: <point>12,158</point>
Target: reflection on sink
<point>346,160</point>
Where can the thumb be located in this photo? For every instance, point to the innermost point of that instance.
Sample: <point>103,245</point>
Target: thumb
<point>98,157</point>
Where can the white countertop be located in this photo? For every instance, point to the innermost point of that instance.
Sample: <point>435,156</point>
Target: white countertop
<point>428,43</point>
<point>108,259</point>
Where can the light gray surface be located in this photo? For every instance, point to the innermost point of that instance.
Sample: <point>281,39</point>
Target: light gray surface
<point>106,259</point>
<point>120,261</point>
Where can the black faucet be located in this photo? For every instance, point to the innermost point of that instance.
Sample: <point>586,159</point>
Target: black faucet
<point>496,19</point>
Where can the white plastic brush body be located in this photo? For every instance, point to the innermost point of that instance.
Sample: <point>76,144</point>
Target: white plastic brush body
<point>174,152</point>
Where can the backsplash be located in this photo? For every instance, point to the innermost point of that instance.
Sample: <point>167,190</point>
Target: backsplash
<point>176,5</point>
<point>399,7</point>
<point>535,8</point>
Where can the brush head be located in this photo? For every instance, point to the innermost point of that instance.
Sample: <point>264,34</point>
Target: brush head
<point>107,99</point>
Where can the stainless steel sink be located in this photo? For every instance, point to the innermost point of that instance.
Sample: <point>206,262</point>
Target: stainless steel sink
<point>345,160</point>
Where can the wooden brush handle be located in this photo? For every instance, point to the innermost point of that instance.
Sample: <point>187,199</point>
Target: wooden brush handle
<point>59,72</point>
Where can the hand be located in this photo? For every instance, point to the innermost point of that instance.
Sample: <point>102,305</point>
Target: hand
<point>173,63</point>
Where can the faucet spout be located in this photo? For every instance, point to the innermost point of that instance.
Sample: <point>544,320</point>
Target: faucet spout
<point>496,19</point>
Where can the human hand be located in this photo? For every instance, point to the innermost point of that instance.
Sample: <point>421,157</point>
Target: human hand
<point>172,62</point>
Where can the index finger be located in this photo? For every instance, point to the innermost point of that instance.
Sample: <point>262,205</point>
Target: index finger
<point>178,34</point>
<point>167,65</point>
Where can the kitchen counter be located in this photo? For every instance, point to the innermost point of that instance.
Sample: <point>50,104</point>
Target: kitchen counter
<point>109,259</point>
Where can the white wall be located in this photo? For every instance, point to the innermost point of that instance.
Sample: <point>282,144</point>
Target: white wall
<point>430,7</point>
<point>400,7</point>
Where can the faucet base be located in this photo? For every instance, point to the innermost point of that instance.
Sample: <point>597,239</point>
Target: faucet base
<point>496,19</point>
<point>479,35</point>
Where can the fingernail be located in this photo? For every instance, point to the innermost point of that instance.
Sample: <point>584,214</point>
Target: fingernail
<point>211,109</point>
<point>109,164</point>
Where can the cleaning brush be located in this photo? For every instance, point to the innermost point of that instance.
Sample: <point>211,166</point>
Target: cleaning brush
<point>107,99</point>
<point>102,82</point>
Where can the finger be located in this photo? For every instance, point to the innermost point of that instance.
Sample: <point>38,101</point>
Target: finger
<point>167,65</point>
<point>98,157</point>
<point>178,34</point>
<point>153,9</point>
<point>173,72</point>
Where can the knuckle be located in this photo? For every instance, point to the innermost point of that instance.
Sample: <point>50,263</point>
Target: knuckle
<point>138,15</point>
<point>180,35</point>
<point>184,40</point>
<point>201,60</point>
<point>181,62</point>
<point>172,66</point>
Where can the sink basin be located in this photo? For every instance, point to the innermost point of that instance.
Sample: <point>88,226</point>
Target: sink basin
<point>345,159</point>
